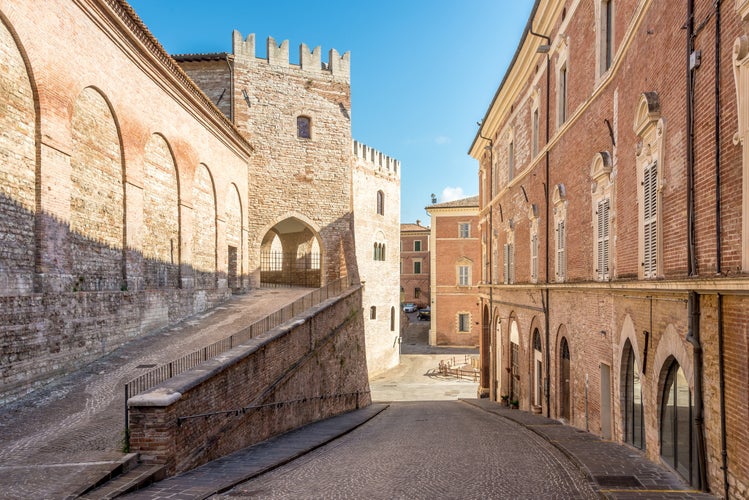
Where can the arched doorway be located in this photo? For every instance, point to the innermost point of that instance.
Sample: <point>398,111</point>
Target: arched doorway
<point>514,362</point>
<point>632,407</point>
<point>564,380</point>
<point>677,434</point>
<point>290,255</point>
<point>485,352</point>
<point>538,373</point>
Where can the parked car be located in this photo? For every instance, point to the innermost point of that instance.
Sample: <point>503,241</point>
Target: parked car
<point>409,307</point>
<point>425,313</point>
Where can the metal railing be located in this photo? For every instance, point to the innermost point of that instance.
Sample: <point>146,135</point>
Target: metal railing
<point>166,371</point>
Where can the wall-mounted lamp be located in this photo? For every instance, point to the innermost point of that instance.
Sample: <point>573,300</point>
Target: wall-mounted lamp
<point>543,49</point>
<point>246,97</point>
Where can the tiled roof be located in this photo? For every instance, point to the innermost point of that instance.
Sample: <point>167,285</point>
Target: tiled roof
<point>471,201</point>
<point>214,56</point>
<point>413,227</point>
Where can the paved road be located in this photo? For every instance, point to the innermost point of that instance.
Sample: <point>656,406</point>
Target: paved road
<point>437,449</point>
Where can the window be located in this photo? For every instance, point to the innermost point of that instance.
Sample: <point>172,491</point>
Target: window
<point>562,95</point>
<point>464,322</point>
<point>535,128</point>
<point>605,42</point>
<point>650,221</point>
<point>303,127</point>
<point>509,263</point>
<point>634,428</point>
<point>380,203</point>
<point>417,292</point>
<point>510,161</point>
<point>534,257</point>
<point>464,276</point>
<point>373,312</point>
<point>417,246</point>
<point>602,239</point>
<point>561,252</point>
<point>379,251</point>
<point>677,439</point>
<point>464,230</point>
<point>649,127</point>
<point>417,267</point>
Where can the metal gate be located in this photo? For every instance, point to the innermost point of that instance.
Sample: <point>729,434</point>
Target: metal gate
<point>290,269</point>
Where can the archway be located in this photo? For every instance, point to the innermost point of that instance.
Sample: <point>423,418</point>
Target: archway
<point>290,255</point>
<point>632,404</point>
<point>538,371</point>
<point>677,433</point>
<point>514,367</point>
<point>485,352</point>
<point>564,380</point>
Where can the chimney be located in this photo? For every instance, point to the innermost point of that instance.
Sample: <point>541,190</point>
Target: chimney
<point>418,222</point>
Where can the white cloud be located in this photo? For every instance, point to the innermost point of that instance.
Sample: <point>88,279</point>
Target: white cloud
<point>441,139</point>
<point>452,194</point>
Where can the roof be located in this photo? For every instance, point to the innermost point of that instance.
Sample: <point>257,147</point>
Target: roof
<point>214,56</point>
<point>471,201</point>
<point>413,227</point>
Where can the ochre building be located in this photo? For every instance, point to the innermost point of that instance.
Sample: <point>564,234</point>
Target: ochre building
<point>614,216</point>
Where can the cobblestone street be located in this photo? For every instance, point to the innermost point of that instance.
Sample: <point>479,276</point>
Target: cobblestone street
<point>427,450</point>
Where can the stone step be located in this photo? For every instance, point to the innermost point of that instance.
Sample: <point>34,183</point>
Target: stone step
<point>139,476</point>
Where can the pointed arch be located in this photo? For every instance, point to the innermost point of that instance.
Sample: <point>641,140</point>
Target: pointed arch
<point>204,234</point>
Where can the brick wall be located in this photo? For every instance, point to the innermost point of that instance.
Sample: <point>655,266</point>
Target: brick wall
<point>295,374</point>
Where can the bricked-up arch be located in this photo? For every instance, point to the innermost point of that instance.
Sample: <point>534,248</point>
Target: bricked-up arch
<point>485,351</point>
<point>17,170</point>
<point>161,231</point>
<point>234,251</point>
<point>97,201</point>
<point>204,228</point>
<point>300,258</point>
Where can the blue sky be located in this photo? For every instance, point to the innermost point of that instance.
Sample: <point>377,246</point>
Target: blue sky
<point>422,72</point>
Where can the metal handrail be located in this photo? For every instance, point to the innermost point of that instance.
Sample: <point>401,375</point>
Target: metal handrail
<point>166,371</point>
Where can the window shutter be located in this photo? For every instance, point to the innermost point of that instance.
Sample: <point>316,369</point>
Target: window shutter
<point>506,249</point>
<point>561,261</point>
<point>650,207</point>
<point>602,238</point>
<point>534,257</point>
<point>511,255</point>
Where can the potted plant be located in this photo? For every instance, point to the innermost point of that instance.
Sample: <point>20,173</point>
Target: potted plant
<point>514,404</point>
<point>505,399</point>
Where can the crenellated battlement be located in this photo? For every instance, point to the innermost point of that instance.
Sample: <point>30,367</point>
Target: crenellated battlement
<point>309,61</point>
<point>376,160</point>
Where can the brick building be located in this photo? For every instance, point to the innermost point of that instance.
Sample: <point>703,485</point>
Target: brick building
<point>614,207</point>
<point>414,264</point>
<point>455,262</point>
<point>116,221</point>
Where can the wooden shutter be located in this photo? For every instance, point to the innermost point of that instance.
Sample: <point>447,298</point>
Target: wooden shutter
<point>650,220</point>
<point>506,249</point>
<point>602,239</point>
<point>534,257</point>
<point>561,261</point>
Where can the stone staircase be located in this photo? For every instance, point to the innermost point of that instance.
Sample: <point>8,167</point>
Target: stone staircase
<point>128,475</point>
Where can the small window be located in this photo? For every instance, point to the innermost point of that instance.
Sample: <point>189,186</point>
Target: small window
<point>417,267</point>
<point>562,95</point>
<point>464,276</point>
<point>303,127</point>
<point>392,319</point>
<point>511,161</point>
<point>535,132</point>
<point>380,203</point>
<point>464,322</point>
<point>373,312</point>
<point>464,230</point>
<point>417,292</point>
<point>417,246</point>
<point>607,34</point>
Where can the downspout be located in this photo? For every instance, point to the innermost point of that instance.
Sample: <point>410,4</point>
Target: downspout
<point>490,256</point>
<point>693,335</point>
<point>546,198</point>
<point>718,258</point>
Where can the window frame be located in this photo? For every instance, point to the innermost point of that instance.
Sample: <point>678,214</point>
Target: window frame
<point>300,120</point>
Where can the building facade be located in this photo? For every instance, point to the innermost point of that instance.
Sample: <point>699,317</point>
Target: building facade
<point>614,199</point>
<point>117,221</point>
<point>376,200</point>
<point>455,264</point>
<point>414,264</point>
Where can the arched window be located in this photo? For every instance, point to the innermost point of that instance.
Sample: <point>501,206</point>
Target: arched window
<point>677,437</point>
<point>380,203</point>
<point>633,409</point>
<point>303,127</point>
<point>538,389</point>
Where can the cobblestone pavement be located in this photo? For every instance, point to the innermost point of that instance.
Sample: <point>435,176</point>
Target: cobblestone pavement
<point>437,449</point>
<point>56,439</point>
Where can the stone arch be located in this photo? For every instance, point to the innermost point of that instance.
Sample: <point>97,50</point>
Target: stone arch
<point>671,344</point>
<point>19,196</point>
<point>161,228</point>
<point>298,264</point>
<point>234,248</point>
<point>97,198</point>
<point>514,356</point>
<point>564,374</point>
<point>204,257</point>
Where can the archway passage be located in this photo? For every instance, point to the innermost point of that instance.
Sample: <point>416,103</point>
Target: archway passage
<point>677,433</point>
<point>564,380</point>
<point>290,255</point>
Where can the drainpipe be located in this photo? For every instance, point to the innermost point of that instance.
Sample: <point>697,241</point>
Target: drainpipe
<point>545,49</point>
<point>490,256</point>
<point>693,337</point>
<point>718,258</point>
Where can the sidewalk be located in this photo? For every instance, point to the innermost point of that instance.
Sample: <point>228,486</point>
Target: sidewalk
<point>615,470</point>
<point>224,473</point>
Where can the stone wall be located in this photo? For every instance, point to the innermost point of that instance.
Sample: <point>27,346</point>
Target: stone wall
<point>114,220</point>
<point>300,372</point>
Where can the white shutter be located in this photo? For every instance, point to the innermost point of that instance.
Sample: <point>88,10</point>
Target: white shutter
<point>534,257</point>
<point>561,261</point>
<point>602,239</point>
<point>506,250</point>
<point>511,254</point>
<point>650,212</point>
